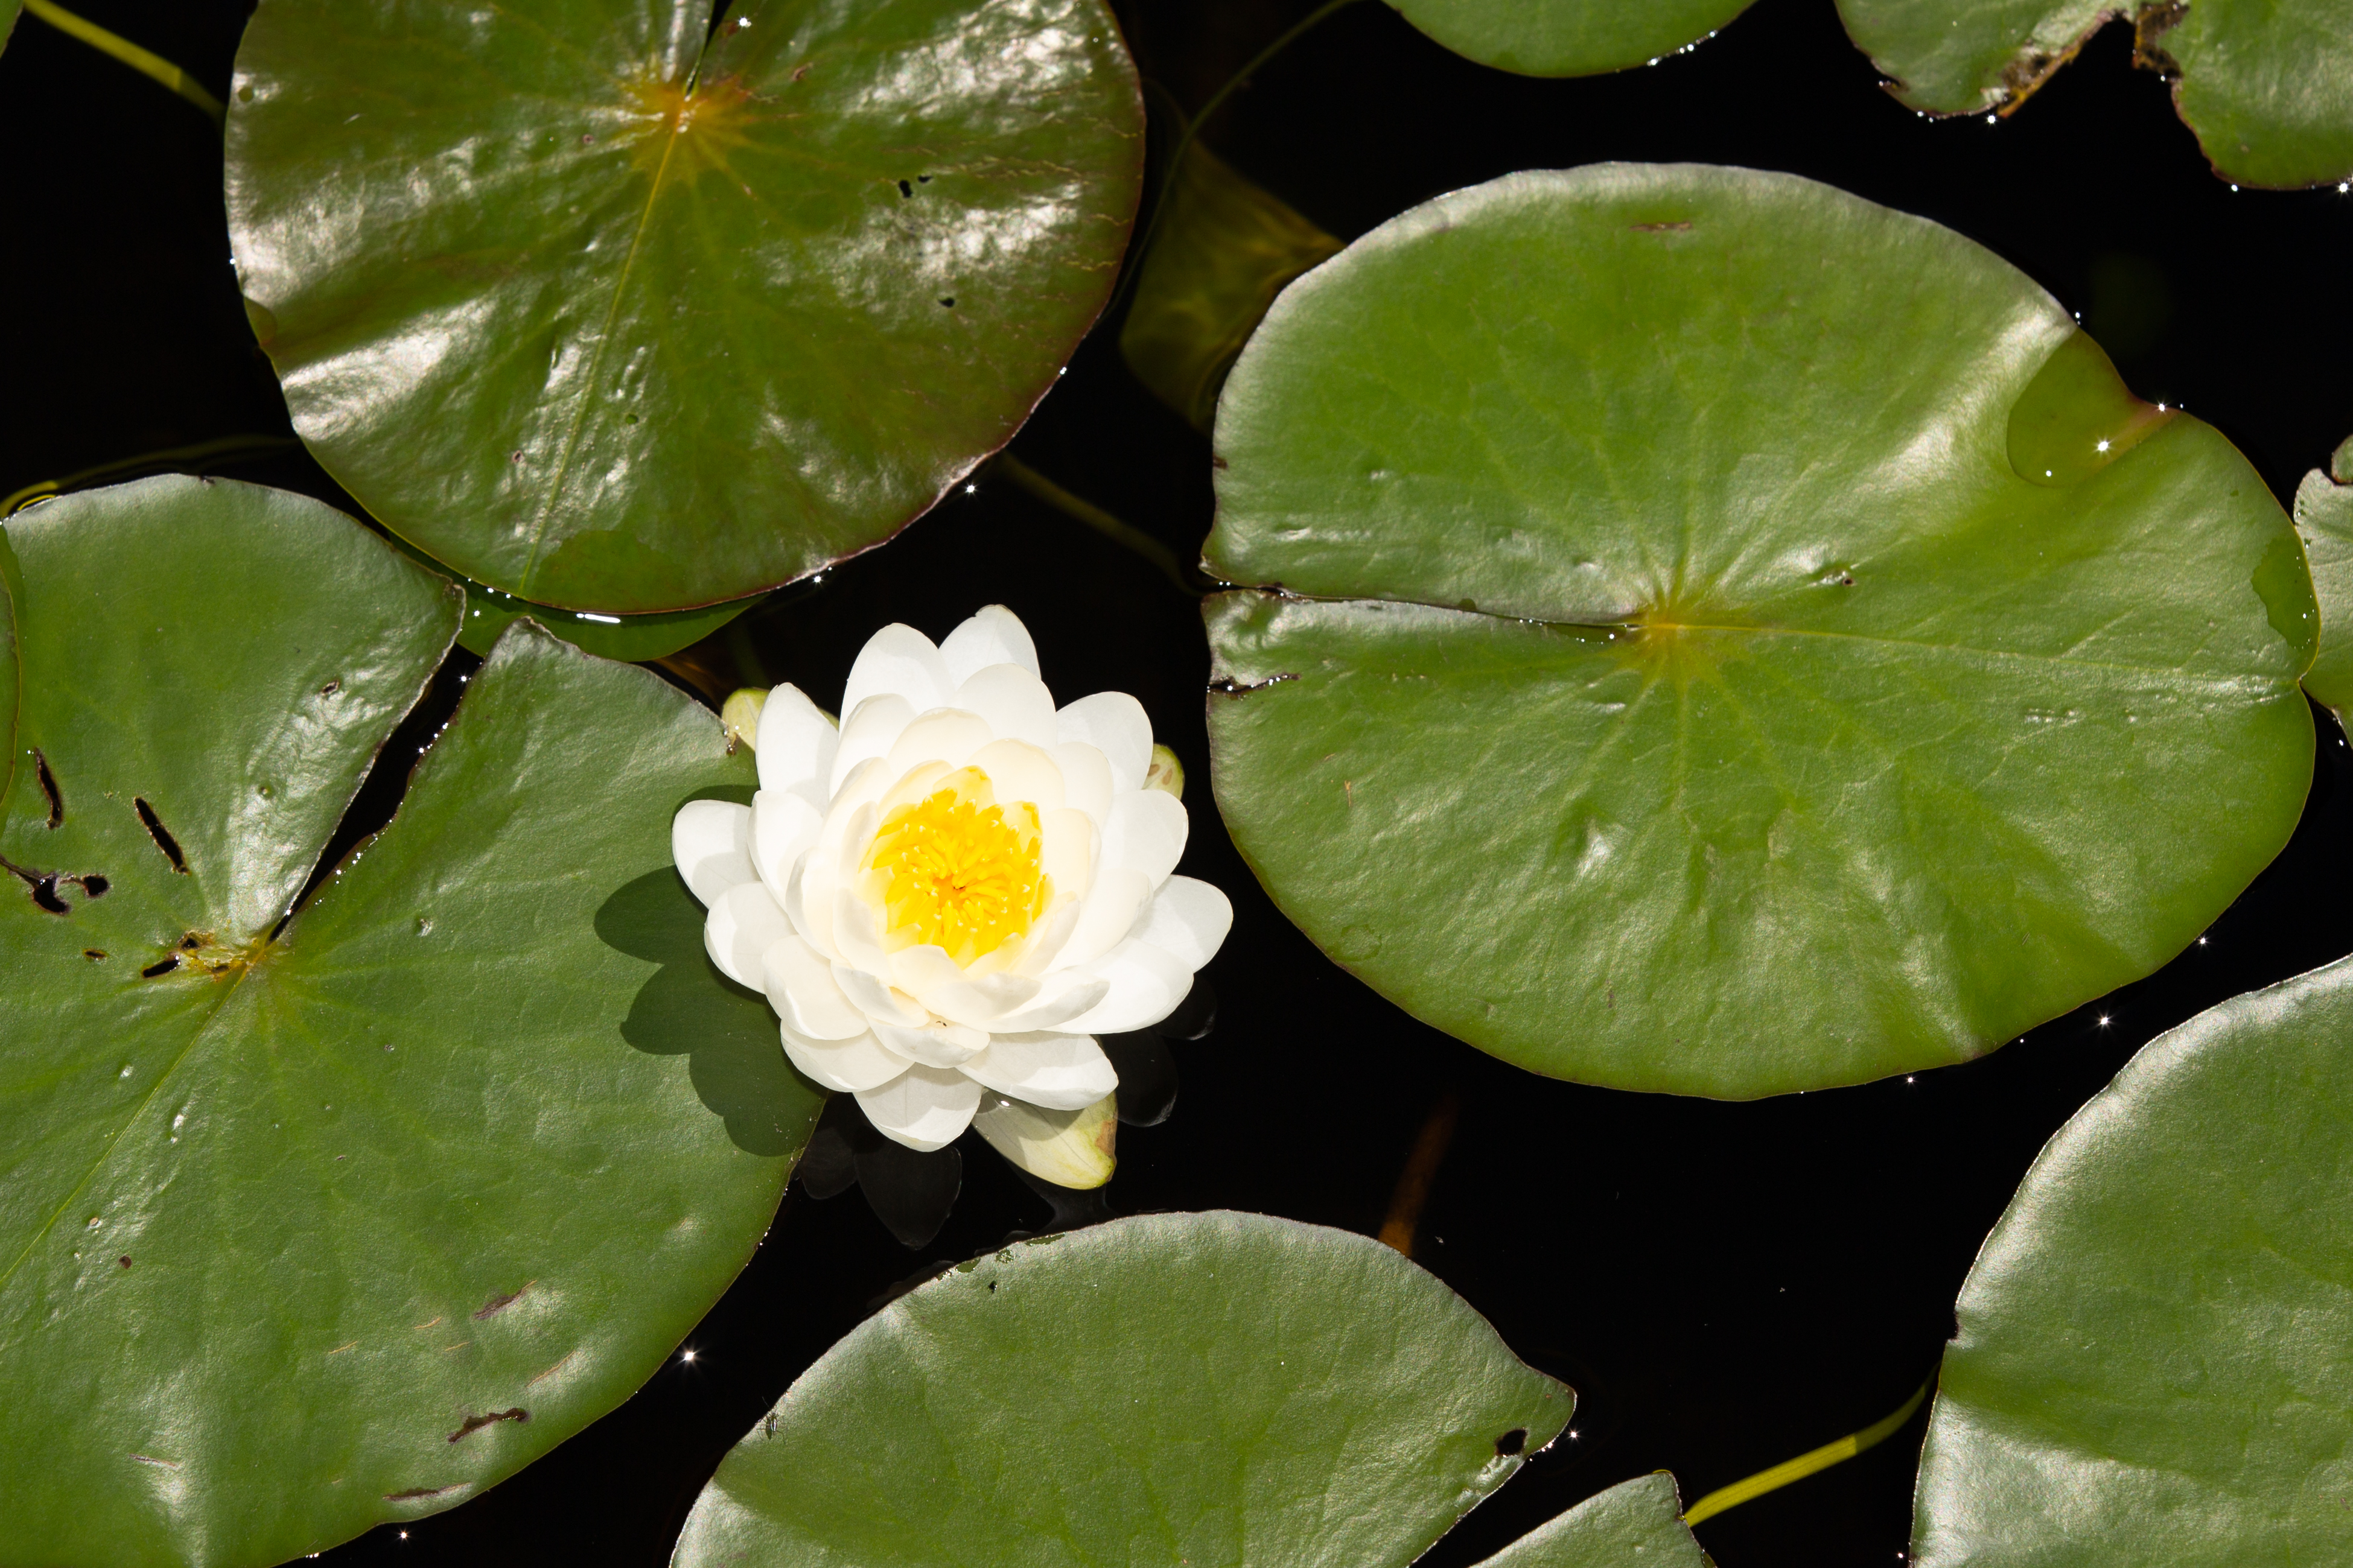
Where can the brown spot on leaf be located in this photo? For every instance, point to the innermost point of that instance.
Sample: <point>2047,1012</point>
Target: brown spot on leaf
<point>476,1423</point>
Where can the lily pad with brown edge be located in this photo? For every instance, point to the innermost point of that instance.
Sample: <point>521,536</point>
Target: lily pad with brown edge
<point>2267,85</point>
<point>1735,638</point>
<point>1200,1388</point>
<point>2324,519</point>
<point>1568,38</point>
<point>632,640</point>
<point>316,1222</point>
<point>2151,1361</point>
<point>612,320</point>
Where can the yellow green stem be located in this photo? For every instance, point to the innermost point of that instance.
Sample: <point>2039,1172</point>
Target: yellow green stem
<point>1805,1465</point>
<point>145,61</point>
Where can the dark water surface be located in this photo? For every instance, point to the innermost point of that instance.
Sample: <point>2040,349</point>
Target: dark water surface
<point>1726,1285</point>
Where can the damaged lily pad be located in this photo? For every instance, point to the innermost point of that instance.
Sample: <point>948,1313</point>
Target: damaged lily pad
<point>2151,1361</point>
<point>2267,85</point>
<point>1734,637</point>
<point>308,1223</point>
<point>613,321</point>
<point>1171,1388</point>
<point>2323,518</point>
<point>1635,1524</point>
<point>1568,37</point>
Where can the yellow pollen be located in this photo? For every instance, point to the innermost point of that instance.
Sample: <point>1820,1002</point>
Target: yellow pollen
<point>957,870</point>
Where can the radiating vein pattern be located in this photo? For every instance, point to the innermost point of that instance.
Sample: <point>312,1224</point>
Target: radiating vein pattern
<point>1745,639</point>
<point>609,319</point>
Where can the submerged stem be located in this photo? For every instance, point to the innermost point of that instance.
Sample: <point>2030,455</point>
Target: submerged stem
<point>1096,518</point>
<point>1259,62</point>
<point>228,448</point>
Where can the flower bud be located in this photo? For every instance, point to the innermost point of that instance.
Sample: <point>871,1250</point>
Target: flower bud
<point>741,716</point>
<point>1165,773</point>
<point>1068,1148</point>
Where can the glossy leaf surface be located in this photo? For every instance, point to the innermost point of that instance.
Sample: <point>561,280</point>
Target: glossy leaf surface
<point>2267,85</point>
<point>1683,685</point>
<point>304,1232</point>
<point>1568,37</point>
<point>1635,1524</point>
<point>2323,518</point>
<point>609,329</point>
<point>1205,1388</point>
<point>2152,1363</point>
<point>1222,251</point>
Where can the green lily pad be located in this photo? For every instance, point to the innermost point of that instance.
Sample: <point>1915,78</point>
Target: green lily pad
<point>2324,519</point>
<point>632,640</point>
<point>2153,1362</point>
<point>1735,638</point>
<point>1635,1524</point>
<point>1202,1388</point>
<point>303,1229</point>
<point>609,320</point>
<point>1568,37</point>
<point>1223,250</point>
<point>2267,85</point>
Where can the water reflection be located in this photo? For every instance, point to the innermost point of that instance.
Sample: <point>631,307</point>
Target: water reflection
<point>913,1194</point>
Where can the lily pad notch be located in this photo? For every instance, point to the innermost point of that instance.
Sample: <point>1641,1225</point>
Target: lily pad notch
<point>1699,668</point>
<point>252,1153</point>
<point>1183,1387</point>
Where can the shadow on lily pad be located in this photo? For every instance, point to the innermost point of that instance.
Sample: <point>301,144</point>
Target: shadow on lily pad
<point>687,1008</point>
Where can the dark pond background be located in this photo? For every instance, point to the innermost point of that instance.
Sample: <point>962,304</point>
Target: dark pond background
<point>1726,1285</point>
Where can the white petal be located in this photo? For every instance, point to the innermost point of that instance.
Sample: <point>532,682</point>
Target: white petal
<point>1015,702</point>
<point>710,841</point>
<point>1060,1072</point>
<point>801,988</point>
<point>1086,779</point>
<point>995,635</point>
<point>1114,724</point>
<point>808,903</point>
<point>1109,915</point>
<point>796,745</point>
<point>901,661</point>
<point>870,730</point>
<point>1145,986</point>
<point>855,936</point>
<point>783,827</point>
<point>1145,832</point>
<point>1189,920</point>
<point>1047,940</point>
<point>850,1064</point>
<point>1066,851</point>
<point>928,974</point>
<point>934,1045</point>
<point>743,923</point>
<point>873,997</point>
<point>924,1108</point>
<point>1020,771</point>
<point>947,735</point>
<point>1075,997</point>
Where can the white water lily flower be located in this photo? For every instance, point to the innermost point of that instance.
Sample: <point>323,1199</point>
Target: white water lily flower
<point>959,888</point>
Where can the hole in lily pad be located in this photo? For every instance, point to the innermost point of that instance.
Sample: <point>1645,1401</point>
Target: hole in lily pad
<point>160,834</point>
<point>1511,1442</point>
<point>50,788</point>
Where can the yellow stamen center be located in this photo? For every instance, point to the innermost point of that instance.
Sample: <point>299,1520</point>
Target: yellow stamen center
<point>957,870</point>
